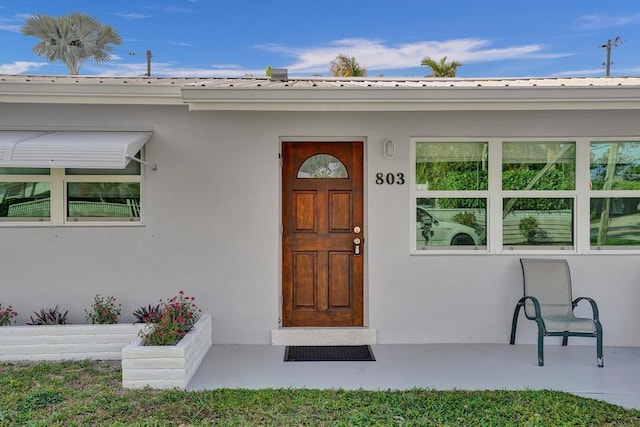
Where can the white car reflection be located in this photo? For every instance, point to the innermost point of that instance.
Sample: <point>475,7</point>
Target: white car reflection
<point>431,231</point>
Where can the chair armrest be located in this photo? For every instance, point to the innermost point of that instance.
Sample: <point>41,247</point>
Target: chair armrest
<point>536,306</point>
<point>594,306</point>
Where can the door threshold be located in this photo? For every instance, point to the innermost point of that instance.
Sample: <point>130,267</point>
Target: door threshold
<point>323,336</point>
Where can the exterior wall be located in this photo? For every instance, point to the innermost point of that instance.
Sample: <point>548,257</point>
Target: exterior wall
<point>212,228</point>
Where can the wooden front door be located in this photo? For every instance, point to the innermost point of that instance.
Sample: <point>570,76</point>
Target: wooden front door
<point>323,234</point>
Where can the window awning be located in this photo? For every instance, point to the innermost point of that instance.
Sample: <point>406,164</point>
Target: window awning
<point>69,149</point>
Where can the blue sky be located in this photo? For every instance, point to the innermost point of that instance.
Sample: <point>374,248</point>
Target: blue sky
<point>232,38</point>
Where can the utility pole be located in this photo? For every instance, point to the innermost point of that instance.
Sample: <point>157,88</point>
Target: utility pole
<point>615,42</point>
<point>149,56</point>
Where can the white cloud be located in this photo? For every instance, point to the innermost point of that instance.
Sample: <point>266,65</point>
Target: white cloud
<point>592,22</point>
<point>371,54</point>
<point>226,66</point>
<point>598,72</point>
<point>176,10</point>
<point>9,27</point>
<point>580,73</point>
<point>20,67</point>
<point>376,55</point>
<point>162,69</point>
<point>133,15</point>
<point>11,23</point>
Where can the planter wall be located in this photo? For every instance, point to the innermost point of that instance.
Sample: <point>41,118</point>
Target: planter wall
<point>66,342</point>
<point>165,367</point>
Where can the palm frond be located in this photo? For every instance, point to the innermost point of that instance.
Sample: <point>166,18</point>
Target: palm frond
<point>441,68</point>
<point>347,66</point>
<point>71,39</point>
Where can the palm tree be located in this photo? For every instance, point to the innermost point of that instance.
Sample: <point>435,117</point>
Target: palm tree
<point>71,39</point>
<point>442,68</point>
<point>347,66</point>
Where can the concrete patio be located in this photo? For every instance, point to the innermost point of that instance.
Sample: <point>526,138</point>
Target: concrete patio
<point>434,366</point>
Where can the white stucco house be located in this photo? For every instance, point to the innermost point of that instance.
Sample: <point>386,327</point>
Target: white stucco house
<point>318,209</point>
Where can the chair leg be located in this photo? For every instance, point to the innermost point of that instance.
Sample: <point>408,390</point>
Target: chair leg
<point>514,323</point>
<point>599,344</point>
<point>540,342</point>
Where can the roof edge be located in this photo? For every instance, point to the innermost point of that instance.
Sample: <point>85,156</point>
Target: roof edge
<point>412,99</point>
<point>327,94</point>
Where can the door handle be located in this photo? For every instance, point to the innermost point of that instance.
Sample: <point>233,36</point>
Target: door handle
<point>356,246</point>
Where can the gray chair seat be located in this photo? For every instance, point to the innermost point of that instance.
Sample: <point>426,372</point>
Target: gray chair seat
<point>564,323</point>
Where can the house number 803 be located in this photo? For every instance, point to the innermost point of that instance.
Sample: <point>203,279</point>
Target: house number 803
<point>390,178</point>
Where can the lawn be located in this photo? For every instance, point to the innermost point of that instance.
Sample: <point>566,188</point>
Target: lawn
<point>90,393</point>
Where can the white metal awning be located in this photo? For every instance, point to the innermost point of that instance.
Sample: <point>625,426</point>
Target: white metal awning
<point>70,149</point>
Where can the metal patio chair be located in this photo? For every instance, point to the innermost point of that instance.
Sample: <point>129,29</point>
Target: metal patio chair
<point>547,300</point>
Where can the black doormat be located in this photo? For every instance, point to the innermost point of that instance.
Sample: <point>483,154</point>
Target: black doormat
<point>328,353</point>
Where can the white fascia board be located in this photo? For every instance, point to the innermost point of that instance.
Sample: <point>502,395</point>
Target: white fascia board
<point>411,99</point>
<point>121,93</point>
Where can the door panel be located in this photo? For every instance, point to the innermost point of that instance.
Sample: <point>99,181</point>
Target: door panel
<point>305,214</point>
<point>340,212</point>
<point>322,215</point>
<point>339,278</point>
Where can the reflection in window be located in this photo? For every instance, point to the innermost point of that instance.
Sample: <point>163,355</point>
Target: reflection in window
<point>451,166</point>
<point>322,166</point>
<point>615,221</point>
<point>74,194</point>
<point>615,165</point>
<point>537,222</point>
<point>24,171</point>
<point>24,201</point>
<point>132,168</point>
<point>103,200</point>
<point>538,165</point>
<point>450,222</point>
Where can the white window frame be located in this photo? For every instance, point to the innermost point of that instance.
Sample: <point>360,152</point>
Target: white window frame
<point>581,196</point>
<point>58,181</point>
<point>415,194</point>
<point>604,194</point>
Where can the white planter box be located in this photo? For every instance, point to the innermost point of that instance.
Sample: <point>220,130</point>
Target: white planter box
<point>66,342</point>
<point>165,367</point>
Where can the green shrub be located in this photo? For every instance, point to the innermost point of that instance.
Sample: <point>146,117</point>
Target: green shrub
<point>49,316</point>
<point>466,218</point>
<point>179,315</point>
<point>103,310</point>
<point>6,314</point>
<point>529,228</point>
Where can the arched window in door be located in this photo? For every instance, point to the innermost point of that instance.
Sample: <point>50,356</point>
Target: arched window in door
<point>322,166</point>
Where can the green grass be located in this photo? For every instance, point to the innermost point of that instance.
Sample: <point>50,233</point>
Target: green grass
<point>90,393</point>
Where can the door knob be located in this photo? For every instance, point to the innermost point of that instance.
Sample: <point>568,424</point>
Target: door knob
<point>356,246</point>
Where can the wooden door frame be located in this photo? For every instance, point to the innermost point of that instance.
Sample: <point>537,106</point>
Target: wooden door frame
<point>365,287</point>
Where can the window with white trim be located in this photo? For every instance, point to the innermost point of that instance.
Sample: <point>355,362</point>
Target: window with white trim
<point>538,194</point>
<point>71,196</point>
<point>577,195</point>
<point>614,203</point>
<point>451,190</point>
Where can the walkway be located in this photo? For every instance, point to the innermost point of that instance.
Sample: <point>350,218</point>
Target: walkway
<point>435,366</point>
